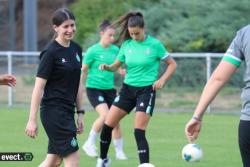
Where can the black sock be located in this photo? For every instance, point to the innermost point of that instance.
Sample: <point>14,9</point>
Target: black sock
<point>105,140</point>
<point>142,145</point>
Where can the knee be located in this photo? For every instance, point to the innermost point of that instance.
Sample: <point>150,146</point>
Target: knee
<point>52,163</point>
<point>58,162</point>
<point>102,117</point>
<point>117,127</point>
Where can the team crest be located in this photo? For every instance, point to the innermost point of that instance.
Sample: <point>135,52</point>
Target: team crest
<point>73,142</point>
<point>117,99</point>
<point>100,98</point>
<point>148,51</point>
<point>78,57</point>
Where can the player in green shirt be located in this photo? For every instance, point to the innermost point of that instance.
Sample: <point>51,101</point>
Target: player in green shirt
<point>141,54</point>
<point>100,88</point>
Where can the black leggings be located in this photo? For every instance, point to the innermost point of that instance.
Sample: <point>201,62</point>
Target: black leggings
<point>244,142</point>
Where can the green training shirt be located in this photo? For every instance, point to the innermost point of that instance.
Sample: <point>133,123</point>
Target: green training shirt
<point>94,57</point>
<point>142,60</point>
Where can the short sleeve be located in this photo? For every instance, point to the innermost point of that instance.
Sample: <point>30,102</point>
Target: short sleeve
<point>88,57</point>
<point>234,53</point>
<point>162,51</point>
<point>121,54</point>
<point>46,64</point>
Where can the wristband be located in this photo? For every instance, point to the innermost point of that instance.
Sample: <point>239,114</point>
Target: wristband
<point>82,111</point>
<point>196,118</point>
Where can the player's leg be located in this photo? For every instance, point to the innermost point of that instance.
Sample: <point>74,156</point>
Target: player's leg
<point>140,125</point>
<point>114,116</point>
<point>97,100</point>
<point>51,160</point>
<point>110,96</point>
<point>72,160</point>
<point>118,143</point>
<point>144,109</point>
<point>244,142</point>
<point>89,146</point>
<point>122,105</point>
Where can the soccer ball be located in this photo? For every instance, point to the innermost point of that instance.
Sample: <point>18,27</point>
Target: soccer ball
<point>191,152</point>
<point>146,165</point>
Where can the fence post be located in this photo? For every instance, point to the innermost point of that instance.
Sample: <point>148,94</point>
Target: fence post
<point>208,62</point>
<point>10,90</point>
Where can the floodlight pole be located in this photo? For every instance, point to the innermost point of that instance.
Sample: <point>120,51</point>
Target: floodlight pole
<point>12,25</point>
<point>30,25</point>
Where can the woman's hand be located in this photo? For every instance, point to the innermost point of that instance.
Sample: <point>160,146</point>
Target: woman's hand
<point>80,123</point>
<point>158,84</point>
<point>31,129</point>
<point>192,129</point>
<point>104,67</point>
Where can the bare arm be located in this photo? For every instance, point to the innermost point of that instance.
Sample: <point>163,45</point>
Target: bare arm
<point>79,107</point>
<point>7,79</point>
<point>79,100</point>
<point>84,71</point>
<point>32,127</point>
<point>112,67</point>
<point>167,74</point>
<point>220,76</point>
<point>122,71</point>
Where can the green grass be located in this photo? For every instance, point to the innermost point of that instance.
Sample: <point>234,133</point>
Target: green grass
<point>165,136</point>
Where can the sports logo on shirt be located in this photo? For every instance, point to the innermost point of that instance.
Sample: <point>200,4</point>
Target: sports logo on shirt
<point>78,57</point>
<point>101,56</point>
<point>63,60</point>
<point>148,51</point>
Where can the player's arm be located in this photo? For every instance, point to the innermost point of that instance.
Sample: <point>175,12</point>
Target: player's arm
<point>167,74</point>
<point>7,79</point>
<point>122,71</point>
<point>79,108</point>
<point>112,67</point>
<point>220,76</point>
<point>32,127</point>
<point>84,73</point>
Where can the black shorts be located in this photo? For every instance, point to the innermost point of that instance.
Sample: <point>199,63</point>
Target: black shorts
<point>244,142</point>
<point>59,124</point>
<point>99,96</point>
<point>143,98</point>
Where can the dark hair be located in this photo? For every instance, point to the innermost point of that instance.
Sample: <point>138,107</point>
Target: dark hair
<point>104,25</point>
<point>131,19</point>
<point>61,15</point>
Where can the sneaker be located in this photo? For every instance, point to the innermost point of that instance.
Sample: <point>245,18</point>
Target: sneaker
<point>120,155</point>
<point>103,162</point>
<point>90,149</point>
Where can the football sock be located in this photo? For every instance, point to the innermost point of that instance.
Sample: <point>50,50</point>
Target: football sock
<point>118,143</point>
<point>105,140</point>
<point>92,137</point>
<point>142,145</point>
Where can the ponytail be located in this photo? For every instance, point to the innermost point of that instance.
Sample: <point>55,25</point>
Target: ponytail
<point>131,19</point>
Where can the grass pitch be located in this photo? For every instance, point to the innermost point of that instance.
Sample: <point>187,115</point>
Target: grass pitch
<point>165,134</point>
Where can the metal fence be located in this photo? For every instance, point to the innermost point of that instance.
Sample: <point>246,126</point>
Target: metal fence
<point>24,66</point>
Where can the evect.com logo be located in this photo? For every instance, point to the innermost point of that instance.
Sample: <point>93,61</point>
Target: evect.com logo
<point>16,156</point>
